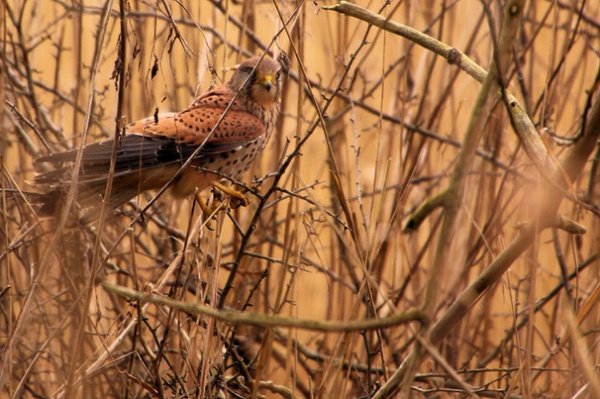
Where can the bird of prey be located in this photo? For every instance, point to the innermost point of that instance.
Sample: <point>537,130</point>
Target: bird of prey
<point>224,129</point>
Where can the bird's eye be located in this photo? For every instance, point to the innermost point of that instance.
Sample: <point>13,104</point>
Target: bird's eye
<point>254,76</point>
<point>277,75</point>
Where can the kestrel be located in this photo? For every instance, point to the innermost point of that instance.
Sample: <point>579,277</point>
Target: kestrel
<point>231,124</point>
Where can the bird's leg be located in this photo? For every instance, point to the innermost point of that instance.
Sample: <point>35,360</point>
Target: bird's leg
<point>207,211</point>
<point>234,194</point>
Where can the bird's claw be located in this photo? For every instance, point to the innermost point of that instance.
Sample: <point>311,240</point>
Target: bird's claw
<point>207,210</point>
<point>237,199</point>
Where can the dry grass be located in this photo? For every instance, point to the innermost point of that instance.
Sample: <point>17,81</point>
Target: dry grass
<point>315,289</point>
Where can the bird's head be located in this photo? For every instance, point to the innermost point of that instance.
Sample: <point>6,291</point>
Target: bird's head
<point>261,80</point>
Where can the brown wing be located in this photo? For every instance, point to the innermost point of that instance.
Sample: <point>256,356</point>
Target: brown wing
<point>165,140</point>
<point>154,148</point>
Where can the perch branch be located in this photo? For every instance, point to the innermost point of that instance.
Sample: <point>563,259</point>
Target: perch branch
<point>263,320</point>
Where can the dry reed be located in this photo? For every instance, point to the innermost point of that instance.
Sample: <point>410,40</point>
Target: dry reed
<point>424,223</point>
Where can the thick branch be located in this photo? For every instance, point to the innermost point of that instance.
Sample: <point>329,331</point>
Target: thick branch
<point>523,125</point>
<point>262,320</point>
<point>572,165</point>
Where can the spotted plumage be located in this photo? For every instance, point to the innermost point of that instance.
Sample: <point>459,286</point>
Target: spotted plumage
<point>231,124</point>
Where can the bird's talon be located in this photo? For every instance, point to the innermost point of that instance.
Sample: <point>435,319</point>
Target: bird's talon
<point>207,211</point>
<point>237,199</point>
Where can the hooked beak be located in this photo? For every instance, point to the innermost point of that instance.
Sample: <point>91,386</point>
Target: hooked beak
<point>267,81</point>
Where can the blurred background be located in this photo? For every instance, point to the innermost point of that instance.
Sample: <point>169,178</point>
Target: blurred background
<point>370,129</point>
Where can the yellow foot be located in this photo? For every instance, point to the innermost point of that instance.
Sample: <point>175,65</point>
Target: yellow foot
<point>237,198</point>
<point>207,211</point>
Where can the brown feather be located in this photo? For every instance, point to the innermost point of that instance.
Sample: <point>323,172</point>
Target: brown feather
<point>226,128</point>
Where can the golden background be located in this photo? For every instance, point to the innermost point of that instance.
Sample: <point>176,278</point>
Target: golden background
<point>328,244</point>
